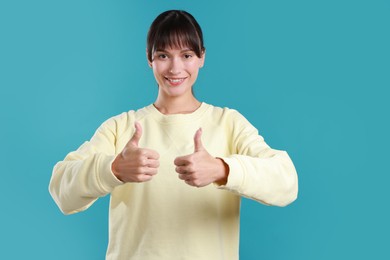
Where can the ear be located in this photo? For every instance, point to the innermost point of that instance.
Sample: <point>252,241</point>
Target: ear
<point>149,63</point>
<point>202,59</point>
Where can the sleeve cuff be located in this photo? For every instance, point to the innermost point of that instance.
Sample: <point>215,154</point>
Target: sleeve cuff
<point>106,178</point>
<point>235,177</point>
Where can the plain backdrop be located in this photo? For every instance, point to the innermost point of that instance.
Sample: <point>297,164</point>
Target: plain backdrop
<point>312,76</point>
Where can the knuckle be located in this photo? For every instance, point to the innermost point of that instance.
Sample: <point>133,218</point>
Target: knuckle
<point>138,152</point>
<point>138,171</point>
<point>140,161</point>
<point>143,170</point>
<point>143,162</point>
<point>190,160</point>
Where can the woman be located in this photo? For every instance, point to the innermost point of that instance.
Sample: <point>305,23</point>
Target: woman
<point>175,169</point>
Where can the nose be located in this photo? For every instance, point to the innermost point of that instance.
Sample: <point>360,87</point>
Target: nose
<point>175,66</point>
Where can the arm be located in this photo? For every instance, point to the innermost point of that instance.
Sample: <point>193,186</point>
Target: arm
<point>257,171</point>
<point>85,175</point>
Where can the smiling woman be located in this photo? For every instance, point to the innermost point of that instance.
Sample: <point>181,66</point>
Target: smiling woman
<point>175,51</point>
<point>176,71</point>
<point>152,160</point>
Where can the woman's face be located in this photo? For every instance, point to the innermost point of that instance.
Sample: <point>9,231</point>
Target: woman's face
<point>176,70</point>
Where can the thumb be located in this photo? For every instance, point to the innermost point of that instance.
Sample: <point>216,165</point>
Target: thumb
<point>137,134</point>
<point>198,140</point>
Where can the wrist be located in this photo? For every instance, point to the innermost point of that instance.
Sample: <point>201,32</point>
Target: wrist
<point>114,168</point>
<point>223,172</point>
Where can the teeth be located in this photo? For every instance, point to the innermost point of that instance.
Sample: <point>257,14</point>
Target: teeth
<point>175,80</point>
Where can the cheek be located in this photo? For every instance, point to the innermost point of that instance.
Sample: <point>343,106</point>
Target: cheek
<point>159,67</point>
<point>157,76</point>
<point>193,67</point>
<point>158,71</point>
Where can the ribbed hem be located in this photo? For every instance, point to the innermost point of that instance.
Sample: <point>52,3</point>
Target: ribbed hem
<point>106,178</point>
<point>235,178</point>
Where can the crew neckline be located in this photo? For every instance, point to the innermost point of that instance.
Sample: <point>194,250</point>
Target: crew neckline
<point>175,118</point>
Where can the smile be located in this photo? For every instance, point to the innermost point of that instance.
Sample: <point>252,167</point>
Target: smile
<point>175,81</point>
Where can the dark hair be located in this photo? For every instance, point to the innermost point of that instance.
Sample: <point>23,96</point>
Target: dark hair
<point>174,28</point>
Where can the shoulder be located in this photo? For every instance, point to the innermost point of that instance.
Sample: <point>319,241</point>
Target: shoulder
<point>226,114</point>
<point>232,120</point>
<point>123,121</point>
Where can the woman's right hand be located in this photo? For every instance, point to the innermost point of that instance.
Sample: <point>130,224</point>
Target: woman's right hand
<point>135,164</point>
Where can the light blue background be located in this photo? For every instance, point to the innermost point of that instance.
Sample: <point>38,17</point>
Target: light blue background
<point>312,76</point>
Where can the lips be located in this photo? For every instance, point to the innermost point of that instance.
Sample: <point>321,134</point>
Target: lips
<point>175,81</point>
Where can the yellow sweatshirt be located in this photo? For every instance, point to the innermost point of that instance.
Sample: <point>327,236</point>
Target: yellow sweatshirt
<point>166,218</point>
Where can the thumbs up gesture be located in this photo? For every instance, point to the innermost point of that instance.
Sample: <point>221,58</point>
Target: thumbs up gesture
<point>199,169</point>
<point>135,164</point>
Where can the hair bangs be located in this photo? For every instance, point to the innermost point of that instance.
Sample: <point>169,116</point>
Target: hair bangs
<point>177,38</point>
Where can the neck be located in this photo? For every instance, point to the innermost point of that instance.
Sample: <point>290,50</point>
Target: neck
<point>179,105</point>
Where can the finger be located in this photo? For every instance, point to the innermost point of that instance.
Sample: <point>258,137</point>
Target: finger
<point>183,177</point>
<point>137,134</point>
<point>191,183</point>
<point>180,161</point>
<point>153,163</point>
<point>151,154</point>
<point>198,140</point>
<point>181,169</point>
<point>144,178</point>
<point>149,171</point>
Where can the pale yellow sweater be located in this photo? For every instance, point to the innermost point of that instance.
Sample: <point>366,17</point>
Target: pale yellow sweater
<point>166,218</point>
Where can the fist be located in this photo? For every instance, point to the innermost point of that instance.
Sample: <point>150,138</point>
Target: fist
<point>135,164</point>
<point>199,169</point>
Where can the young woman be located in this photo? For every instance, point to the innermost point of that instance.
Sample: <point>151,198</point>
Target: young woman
<point>175,169</point>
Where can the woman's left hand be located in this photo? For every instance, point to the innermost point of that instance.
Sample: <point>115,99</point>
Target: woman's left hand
<point>199,169</point>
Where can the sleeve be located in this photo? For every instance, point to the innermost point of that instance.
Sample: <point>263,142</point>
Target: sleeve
<point>257,171</point>
<point>85,174</point>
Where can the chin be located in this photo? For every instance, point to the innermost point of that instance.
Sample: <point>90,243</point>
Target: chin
<point>177,91</point>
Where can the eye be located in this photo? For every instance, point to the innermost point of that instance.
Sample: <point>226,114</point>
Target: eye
<point>188,56</point>
<point>162,56</point>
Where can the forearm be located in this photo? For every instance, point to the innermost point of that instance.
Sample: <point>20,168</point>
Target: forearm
<point>272,181</point>
<point>76,184</point>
